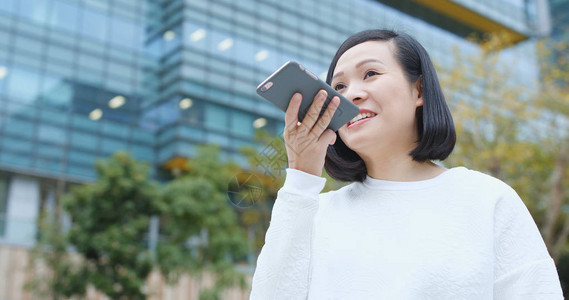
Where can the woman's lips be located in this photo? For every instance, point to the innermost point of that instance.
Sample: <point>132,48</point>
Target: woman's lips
<point>360,121</point>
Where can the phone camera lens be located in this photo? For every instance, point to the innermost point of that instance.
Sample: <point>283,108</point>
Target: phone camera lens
<point>266,86</point>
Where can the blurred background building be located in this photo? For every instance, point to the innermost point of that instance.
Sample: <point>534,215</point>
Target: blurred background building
<point>560,19</point>
<point>82,79</point>
<point>560,25</point>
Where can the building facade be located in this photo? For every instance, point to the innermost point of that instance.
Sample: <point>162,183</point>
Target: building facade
<point>82,79</point>
<point>560,19</point>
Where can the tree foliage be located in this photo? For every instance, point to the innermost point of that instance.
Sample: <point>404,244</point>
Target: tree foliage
<point>553,100</point>
<point>107,245</point>
<point>110,220</point>
<point>195,212</point>
<point>514,132</point>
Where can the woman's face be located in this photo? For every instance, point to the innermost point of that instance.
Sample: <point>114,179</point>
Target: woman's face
<point>369,75</point>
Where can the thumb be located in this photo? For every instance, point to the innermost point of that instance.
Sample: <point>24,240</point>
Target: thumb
<point>333,140</point>
<point>329,135</point>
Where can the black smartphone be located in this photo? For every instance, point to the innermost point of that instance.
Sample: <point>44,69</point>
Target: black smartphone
<point>291,78</point>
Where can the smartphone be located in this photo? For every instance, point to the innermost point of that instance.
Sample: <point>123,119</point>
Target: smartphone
<point>292,77</point>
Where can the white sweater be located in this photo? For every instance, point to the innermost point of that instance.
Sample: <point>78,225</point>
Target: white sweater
<point>460,235</point>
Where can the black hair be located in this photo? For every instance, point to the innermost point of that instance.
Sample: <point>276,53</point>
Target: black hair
<point>435,126</point>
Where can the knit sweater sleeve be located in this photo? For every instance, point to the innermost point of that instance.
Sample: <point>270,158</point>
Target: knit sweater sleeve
<point>283,266</point>
<point>523,268</point>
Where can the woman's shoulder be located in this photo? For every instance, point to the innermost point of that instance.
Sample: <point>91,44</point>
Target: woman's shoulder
<point>350,190</point>
<point>335,190</point>
<point>479,177</point>
<point>480,183</point>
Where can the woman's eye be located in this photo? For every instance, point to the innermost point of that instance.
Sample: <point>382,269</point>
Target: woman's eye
<point>339,86</point>
<point>370,73</point>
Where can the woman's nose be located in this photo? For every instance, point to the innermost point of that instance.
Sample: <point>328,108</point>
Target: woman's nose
<point>355,94</point>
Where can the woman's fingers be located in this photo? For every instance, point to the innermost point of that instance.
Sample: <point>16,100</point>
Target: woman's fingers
<point>306,144</point>
<point>326,117</point>
<point>328,137</point>
<point>291,114</point>
<point>314,111</point>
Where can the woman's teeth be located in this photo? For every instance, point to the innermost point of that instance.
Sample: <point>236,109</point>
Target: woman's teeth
<point>361,116</point>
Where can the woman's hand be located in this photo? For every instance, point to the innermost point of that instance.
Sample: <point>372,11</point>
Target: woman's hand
<point>306,142</point>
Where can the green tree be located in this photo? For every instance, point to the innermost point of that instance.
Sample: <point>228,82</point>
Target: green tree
<point>56,274</point>
<point>105,246</point>
<point>195,208</point>
<point>490,112</point>
<point>552,99</point>
<point>512,132</point>
<point>110,221</point>
<point>111,217</point>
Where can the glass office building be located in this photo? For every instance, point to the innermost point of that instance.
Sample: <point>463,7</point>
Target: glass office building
<point>82,79</point>
<point>560,17</point>
<point>560,25</point>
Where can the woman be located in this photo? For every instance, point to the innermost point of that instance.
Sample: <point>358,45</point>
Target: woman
<point>405,228</point>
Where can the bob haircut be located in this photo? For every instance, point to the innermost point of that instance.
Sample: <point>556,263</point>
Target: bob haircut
<point>435,126</point>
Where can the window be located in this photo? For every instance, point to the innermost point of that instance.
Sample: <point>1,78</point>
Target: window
<point>15,110</point>
<point>94,24</point>
<point>110,146</point>
<point>118,85</point>
<point>217,139</point>
<point>242,124</point>
<point>50,152</point>
<point>17,160</point>
<point>84,140</point>
<point>16,145</point>
<point>115,129</point>
<point>187,132</point>
<point>91,62</point>
<point>193,115</point>
<point>123,32</point>
<point>60,69</point>
<point>8,6</point>
<point>81,171</point>
<point>142,136</point>
<point>167,135</point>
<point>83,122</point>
<point>23,84</point>
<point>83,158</point>
<point>120,70</point>
<point>56,92</point>
<point>51,134</point>
<point>60,53</point>
<point>216,117</point>
<point>142,152</point>
<point>19,128</point>
<point>55,117</point>
<point>245,52</point>
<point>35,10</point>
<point>193,73</point>
<point>23,59</point>
<point>219,80</point>
<point>28,45</point>
<point>64,16</point>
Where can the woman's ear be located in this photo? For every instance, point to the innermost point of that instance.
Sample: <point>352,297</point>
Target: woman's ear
<point>419,85</point>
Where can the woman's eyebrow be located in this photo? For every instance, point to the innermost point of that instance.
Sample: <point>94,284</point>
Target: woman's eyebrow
<point>338,74</point>
<point>359,65</point>
<point>369,60</point>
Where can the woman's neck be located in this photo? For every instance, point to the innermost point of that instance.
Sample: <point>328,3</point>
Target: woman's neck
<point>400,167</point>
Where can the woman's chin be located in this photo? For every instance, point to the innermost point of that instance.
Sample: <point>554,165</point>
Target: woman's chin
<point>355,142</point>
